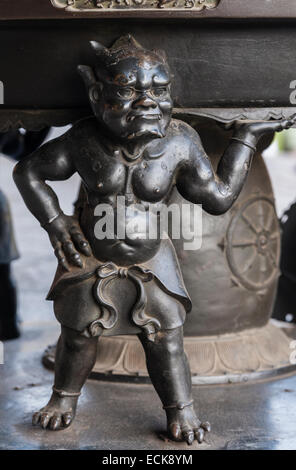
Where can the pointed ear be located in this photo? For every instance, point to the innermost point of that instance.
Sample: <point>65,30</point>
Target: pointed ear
<point>94,92</point>
<point>87,74</point>
<point>98,48</point>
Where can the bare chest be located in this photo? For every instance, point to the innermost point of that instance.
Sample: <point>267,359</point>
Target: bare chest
<point>149,178</point>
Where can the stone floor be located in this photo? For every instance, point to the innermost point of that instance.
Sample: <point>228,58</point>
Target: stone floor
<point>122,416</point>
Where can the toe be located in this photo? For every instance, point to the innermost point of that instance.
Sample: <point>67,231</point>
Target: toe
<point>188,436</point>
<point>45,417</point>
<point>36,418</point>
<point>200,434</point>
<point>206,426</point>
<point>55,423</point>
<point>175,431</point>
<point>67,419</point>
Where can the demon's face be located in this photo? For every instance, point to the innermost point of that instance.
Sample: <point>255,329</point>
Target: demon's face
<point>130,95</point>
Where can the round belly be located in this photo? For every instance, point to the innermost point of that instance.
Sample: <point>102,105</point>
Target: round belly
<point>124,236</point>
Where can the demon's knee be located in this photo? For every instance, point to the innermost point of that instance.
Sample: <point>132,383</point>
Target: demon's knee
<point>74,341</point>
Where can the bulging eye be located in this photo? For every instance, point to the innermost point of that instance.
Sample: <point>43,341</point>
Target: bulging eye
<point>126,93</point>
<point>159,92</point>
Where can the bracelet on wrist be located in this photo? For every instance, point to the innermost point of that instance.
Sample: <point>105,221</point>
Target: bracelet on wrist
<point>48,222</point>
<point>236,139</point>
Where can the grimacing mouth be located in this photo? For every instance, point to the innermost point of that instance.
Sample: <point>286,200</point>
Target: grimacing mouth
<point>147,116</point>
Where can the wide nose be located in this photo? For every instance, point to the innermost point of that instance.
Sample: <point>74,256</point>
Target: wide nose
<point>144,102</point>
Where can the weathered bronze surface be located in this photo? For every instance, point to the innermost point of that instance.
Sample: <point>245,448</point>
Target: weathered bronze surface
<point>30,9</point>
<point>229,326</point>
<point>94,5</point>
<point>132,285</point>
<point>223,67</point>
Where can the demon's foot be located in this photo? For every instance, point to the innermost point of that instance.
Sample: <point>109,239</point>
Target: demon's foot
<point>183,425</point>
<point>57,414</point>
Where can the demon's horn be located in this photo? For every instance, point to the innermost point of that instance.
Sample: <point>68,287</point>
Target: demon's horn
<point>98,48</point>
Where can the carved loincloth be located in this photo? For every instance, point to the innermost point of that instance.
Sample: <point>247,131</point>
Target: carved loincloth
<point>103,298</point>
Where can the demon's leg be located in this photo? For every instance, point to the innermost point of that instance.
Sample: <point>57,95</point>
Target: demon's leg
<point>75,358</point>
<point>170,374</point>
